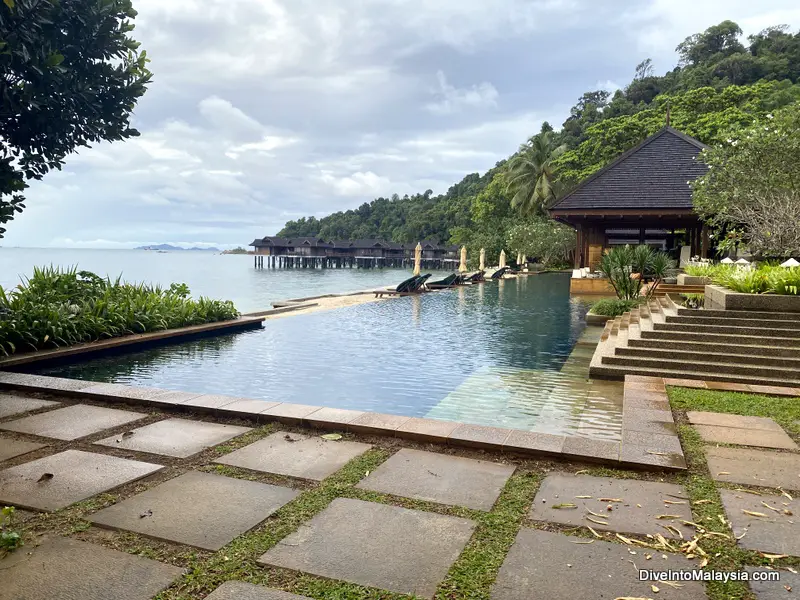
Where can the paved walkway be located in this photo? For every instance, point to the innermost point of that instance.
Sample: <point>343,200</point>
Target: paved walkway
<point>366,512</point>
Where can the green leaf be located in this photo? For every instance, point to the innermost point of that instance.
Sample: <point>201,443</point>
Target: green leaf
<point>331,436</point>
<point>55,59</point>
<point>9,3</point>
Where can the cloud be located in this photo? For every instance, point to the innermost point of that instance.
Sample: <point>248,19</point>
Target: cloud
<point>452,99</point>
<point>262,111</point>
<point>357,184</point>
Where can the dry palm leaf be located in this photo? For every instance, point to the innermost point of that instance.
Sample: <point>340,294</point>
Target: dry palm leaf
<point>596,521</point>
<point>753,513</point>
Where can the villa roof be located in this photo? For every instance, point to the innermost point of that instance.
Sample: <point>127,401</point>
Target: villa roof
<point>653,175</point>
<point>307,241</point>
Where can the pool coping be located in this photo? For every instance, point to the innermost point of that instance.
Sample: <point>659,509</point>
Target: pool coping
<point>130,342</point>
<point>649,435</point>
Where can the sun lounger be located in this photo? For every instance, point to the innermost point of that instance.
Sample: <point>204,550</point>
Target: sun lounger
<point>412,285</point>
<point>447,282</point>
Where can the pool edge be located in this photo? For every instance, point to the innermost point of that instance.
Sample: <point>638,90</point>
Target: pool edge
<point>629,453</point>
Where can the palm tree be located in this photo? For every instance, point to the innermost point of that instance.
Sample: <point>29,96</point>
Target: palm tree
<point>531,177</point>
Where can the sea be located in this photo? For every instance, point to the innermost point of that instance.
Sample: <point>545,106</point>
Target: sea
<point>207,273</point>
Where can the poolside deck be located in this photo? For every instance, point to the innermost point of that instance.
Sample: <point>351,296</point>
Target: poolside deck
<point>224,500</point>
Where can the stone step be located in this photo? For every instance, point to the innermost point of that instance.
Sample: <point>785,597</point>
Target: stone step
<point>765,332</point>
<point>740,314</point>
<point>730,368</point>
<point>741,339</point>
<point>733,321</point>
<point>731,348</point>
<point>713,354</point>
<point>603,371</point>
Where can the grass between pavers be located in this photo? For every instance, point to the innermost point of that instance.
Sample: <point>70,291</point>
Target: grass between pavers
<point>784,411</point>
<point>471,576</point>
<point>707,508</point>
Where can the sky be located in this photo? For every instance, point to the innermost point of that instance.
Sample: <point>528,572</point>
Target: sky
<point>262,111</point>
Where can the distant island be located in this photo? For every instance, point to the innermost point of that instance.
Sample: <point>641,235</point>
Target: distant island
<point>170,247</point>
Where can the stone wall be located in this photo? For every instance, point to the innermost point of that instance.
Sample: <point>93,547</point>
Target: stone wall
<point>721,298</point>
<point>684,279</point>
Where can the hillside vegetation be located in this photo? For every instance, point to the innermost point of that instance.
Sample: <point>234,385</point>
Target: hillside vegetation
<point>719,85</point>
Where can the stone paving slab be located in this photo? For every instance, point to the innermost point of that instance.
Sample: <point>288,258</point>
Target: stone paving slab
<point>239,590</point>
<point>754,467</point>
<point>77,475</point>
<point>440,478</point>
<point>554,566</point>
<point>387,547</point>
<point>9,447</point>
<point>729,420</point>
<point>759,438</point>
<point>642,502</point>
<point>775,590</point>
<point>774,533</point>
<point>175,437</point>
<point>67,569</point>
<point>296,455</point>
<point>197,509</point>
<point>426,430</point>
<point>14,405</point>
<point>72,422</point>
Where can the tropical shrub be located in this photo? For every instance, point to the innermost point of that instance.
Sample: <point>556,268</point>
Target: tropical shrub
<point>765,279</point>
<point>614,307</point>
<point>627,267</point>
<point>55,308</point>
<point>702,270</point>
<point>784,281</point>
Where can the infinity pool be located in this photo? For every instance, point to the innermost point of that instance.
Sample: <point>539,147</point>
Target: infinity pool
<point>513,353</point>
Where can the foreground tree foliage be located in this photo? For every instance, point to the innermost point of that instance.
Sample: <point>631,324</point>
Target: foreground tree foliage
<point>752,188</point>
<point>719,84</point>
<point>549,241</point>
<point>70,75</point>
<point>58,307</point>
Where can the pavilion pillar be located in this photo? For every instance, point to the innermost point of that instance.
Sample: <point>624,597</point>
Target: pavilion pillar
<point>704,252</point>
<point>579,246</point>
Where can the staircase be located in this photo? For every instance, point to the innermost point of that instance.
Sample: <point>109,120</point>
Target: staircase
<point>674,289</point>
<point>662,339</point>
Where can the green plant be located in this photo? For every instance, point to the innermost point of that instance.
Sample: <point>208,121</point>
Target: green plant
<point>614,307</point>
<point>702,270</point>
<point>9,539</point>
<point>61,307</point>
<point>747,281</point>
<point>783,281</point>
<point>693,300</point>
<point>627,266</point>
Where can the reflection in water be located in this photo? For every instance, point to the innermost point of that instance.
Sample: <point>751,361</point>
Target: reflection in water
<point>523,364</point>
<point>416,304</point>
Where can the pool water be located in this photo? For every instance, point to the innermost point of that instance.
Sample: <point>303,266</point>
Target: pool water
<point>513,353</point>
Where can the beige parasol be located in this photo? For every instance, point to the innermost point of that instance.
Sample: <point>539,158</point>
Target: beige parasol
<point>502,262</point>
<point>462,268</point>
<point>482,266</point>
<point>417,259</point>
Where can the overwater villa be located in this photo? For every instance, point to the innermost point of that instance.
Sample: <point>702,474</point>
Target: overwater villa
<point>642,197</point>
<point>313,252</point>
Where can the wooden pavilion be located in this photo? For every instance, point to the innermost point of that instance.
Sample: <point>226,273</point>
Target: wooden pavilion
<point>642,197</point>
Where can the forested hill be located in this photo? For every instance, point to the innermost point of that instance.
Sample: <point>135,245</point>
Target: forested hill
<point>719,83</point>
